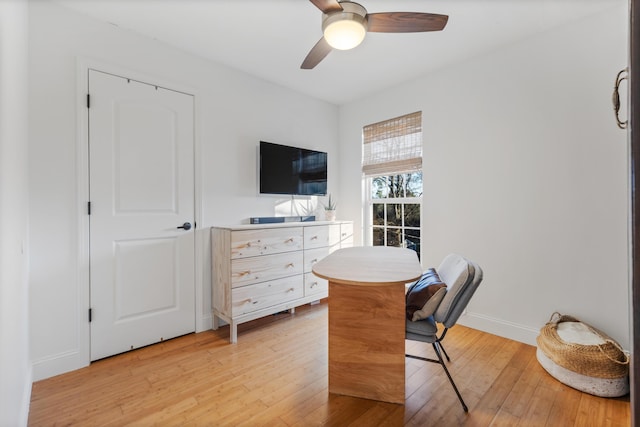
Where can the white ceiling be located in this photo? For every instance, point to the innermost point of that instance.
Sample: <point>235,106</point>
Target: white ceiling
<point>270,38</point>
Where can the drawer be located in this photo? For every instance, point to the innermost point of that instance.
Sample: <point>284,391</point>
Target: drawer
<point>266,294</point>
<point>314,285</point>
<point>319,236</point>
<point>346,235</point>
<point>311,256</point>
<point>245,271</point>
<point>248,243</point>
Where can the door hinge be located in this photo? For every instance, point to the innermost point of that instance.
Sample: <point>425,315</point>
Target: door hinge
<point>88,208</point>
<point>88,101</point>
<point>90,314</point>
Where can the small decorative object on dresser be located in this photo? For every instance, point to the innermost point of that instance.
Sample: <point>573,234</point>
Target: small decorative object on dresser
<point>262,269</point>
<point>330,210</point>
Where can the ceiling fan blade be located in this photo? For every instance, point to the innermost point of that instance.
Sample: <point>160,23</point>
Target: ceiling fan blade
<point>327,6</point>
<point>317,54</point>
<point>405,22</point>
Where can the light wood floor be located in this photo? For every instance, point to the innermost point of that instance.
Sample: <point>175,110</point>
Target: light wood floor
<point>277,376</point>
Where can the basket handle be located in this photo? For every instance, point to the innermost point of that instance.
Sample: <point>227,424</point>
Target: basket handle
<point>556,317</point>
<point>615,344</point>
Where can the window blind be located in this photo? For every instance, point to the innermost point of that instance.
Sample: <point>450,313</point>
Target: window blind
<point>393,146</point>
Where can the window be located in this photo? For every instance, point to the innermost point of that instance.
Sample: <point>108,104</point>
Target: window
<point>392,168</point>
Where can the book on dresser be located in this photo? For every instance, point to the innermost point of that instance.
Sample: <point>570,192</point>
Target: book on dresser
<point>258,270</point>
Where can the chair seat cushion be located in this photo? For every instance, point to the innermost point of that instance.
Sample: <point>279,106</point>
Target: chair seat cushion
<point>423,330</point>
<point>424,296</point>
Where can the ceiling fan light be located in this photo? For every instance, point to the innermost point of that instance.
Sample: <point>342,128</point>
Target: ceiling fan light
<point>344,34</point>
<point>345,29</point>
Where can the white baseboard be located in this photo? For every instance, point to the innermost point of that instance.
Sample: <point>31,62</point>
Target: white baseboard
<point>205,323</point>
<point>58,364</point>
<point>71,360</point>
<point>513,331</point>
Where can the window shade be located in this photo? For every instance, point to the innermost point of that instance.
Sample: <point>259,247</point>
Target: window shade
<point>393,146</point>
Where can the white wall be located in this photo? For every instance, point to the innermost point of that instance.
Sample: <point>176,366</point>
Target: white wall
<point>525,172</point>
<point>233,112</point>
<point>15,368</point>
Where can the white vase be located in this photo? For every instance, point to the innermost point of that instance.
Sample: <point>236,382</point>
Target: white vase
<point>330,215</point>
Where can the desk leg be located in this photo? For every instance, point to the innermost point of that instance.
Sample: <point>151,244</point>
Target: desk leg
<point>366,341</point>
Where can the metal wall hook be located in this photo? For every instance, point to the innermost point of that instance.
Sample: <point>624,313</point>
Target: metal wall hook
<point>615,98</point>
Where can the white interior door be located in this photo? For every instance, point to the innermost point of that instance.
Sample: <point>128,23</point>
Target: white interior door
<point>141,179</point>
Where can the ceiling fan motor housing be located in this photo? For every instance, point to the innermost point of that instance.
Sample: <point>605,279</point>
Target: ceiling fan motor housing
<point>351,14</point>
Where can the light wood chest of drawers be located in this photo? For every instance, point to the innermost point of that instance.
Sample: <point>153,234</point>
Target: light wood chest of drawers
<point>258,270</point>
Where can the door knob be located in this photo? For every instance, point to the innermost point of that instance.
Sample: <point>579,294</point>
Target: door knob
<point>185,226</point>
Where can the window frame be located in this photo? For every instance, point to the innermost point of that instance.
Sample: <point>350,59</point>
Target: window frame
<point>370,201</point>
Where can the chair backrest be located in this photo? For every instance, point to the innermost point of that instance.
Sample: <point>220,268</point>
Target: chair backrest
<point>462,278</point>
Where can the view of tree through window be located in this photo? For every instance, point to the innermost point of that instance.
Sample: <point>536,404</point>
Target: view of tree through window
<point>395,210</point>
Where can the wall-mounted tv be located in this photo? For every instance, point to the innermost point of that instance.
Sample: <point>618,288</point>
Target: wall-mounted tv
<point>290,170</point>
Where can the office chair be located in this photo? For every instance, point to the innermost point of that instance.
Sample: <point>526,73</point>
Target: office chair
<point>462,278</point>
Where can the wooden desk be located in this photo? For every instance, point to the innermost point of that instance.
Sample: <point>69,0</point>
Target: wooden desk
<point>366,319</point>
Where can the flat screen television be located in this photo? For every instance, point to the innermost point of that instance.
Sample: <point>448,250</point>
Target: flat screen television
<point>292,170</point>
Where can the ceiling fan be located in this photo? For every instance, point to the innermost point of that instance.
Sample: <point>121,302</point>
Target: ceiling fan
<point>345,23</point>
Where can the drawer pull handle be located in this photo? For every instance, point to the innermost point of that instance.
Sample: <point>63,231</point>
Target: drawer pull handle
<point>244,273</point>
<point>290,265</point>
<point>290,290</point>
<point>313,261</point>
<point>314,238</point>
<point>248,300</point>
<point>344,234</point>
<point>314,284</point>
<point>289,240</point>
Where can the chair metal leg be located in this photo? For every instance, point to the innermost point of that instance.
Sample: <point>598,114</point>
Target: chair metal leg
<point>426,359</point>
<point>443,350</point>
<point>437,350</point>
<point>437,346</point>
<point>439,341</point>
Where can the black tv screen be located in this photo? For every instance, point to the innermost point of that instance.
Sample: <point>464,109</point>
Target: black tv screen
<point>292,170</point>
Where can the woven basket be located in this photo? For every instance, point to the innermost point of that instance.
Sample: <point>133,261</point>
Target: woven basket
<point>606,360</point>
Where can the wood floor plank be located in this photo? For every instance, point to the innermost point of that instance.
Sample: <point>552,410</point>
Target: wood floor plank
<point>617,412</point>
<point>505,419</point>
<point>296,406</point>
<point>276,375</point>
<point>489,405</point>
<point>381,414</point>
<point>517,401</point>
<point>443,404</point>
<point>539,408</point>
<point>590,414</point>
<point>565,402</point>
<point>431,382</point>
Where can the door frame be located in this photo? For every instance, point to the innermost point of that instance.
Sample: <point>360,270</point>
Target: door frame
<point>634,138</point>
<point>83,65</point>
